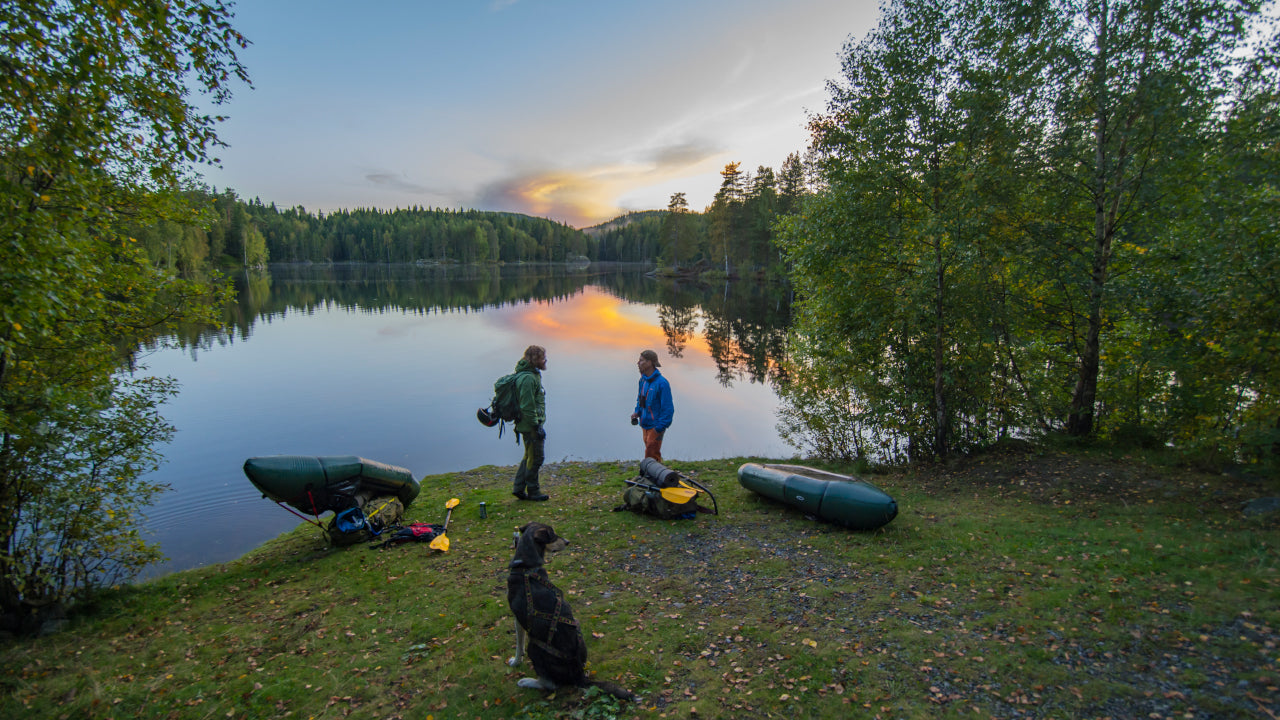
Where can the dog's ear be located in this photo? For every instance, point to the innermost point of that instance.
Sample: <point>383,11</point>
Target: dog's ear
<point>544,535</point>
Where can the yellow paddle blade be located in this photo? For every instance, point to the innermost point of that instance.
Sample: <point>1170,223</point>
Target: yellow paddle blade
<point>678,495</point>
<point>453,503</point>
<point>715,506</point>
<point>441,543</point>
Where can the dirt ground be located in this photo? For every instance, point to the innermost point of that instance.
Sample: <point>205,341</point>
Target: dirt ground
<point>1020,471</point>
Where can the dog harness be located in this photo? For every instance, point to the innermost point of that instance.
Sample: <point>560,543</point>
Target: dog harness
<point>553,619</point>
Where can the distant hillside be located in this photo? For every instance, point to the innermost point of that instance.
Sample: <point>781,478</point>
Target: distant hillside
<point>595,231</point>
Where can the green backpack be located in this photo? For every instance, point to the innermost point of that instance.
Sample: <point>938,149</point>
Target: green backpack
<point>649,501</point>
<point>506,399</point>
<point>505,407</point>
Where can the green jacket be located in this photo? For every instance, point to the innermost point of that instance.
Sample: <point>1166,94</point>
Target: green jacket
<point>533,399</point>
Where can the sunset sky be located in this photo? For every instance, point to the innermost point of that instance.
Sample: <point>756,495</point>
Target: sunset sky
<point>576,110</point>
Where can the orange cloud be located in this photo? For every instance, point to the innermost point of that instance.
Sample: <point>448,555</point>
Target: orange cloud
<point>589,196</point>
<point>572,198</point>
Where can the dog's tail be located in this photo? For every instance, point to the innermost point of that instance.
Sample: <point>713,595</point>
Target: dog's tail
<point>613,689</point>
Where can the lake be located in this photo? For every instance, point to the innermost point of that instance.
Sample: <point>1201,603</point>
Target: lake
<point>391,362</point>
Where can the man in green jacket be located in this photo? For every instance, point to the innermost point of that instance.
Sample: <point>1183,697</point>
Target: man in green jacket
<point>533,413</point>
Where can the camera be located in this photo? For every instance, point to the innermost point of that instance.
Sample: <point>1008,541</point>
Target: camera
<point>635,421</point>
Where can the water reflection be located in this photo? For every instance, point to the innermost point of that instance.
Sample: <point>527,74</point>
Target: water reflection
<point>742,326</point>
<point>391,362</point>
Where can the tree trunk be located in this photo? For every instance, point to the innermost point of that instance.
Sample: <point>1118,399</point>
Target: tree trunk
<point>941,419</point>
<point>941,416</point>
<point>1080,420</point>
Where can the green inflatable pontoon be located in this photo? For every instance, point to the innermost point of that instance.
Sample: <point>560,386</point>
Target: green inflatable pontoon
<point>841,499</point>
<point>316,484</point>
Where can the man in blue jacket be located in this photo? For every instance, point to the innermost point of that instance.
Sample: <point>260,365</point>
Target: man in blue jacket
<point>654,408</point>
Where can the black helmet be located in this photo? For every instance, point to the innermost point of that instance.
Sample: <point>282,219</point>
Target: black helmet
<point>485,418</point>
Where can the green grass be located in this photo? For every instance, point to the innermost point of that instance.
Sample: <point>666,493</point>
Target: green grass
<point>1034,583</point>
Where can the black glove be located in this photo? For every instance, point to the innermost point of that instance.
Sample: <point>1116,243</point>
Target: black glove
<point>542,432</point>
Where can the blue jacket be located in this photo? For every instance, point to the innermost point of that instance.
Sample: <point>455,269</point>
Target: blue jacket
<point>653,402</point>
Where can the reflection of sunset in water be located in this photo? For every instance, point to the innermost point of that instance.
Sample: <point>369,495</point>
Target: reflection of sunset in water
<point>391,364</point>
<point>597,319</point>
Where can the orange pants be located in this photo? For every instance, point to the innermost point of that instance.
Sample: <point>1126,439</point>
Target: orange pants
<point>653,444</point>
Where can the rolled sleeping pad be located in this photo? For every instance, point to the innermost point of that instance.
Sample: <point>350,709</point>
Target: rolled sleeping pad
<point>841,499</point>
<point>660,474</point>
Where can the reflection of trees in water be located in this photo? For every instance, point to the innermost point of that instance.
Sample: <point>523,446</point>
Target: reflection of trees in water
<point>678,325</point>
<point>678,305</point>
<point>746,327</point>
<point>745,324</point>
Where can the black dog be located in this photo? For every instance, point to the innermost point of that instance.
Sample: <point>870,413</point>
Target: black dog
<point>544,621</point>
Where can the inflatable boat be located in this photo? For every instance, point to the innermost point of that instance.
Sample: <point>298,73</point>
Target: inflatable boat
<point>316,484</point>
<point>840,499</point>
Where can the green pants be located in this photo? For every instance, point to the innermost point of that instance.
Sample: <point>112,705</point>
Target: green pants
<point>527,475</point>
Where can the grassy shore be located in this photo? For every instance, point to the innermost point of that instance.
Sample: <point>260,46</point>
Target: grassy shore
<point>1021,583</point>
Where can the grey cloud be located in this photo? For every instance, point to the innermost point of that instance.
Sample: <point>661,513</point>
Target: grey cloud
<point>503,194</point>
<point>684,154</point>
<point>394,182</point>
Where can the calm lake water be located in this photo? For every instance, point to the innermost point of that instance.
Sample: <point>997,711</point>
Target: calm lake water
<point>390,363</point>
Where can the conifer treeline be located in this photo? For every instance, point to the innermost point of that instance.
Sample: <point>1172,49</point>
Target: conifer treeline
<point>252,233</point>
<point>734,234</point>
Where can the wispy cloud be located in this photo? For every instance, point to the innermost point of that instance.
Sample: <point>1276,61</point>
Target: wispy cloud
<point>392,181</point>
<point>675,157</point>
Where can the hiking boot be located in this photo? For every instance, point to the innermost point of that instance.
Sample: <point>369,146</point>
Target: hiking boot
<point>520,495</point>
<point>537,496</point>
